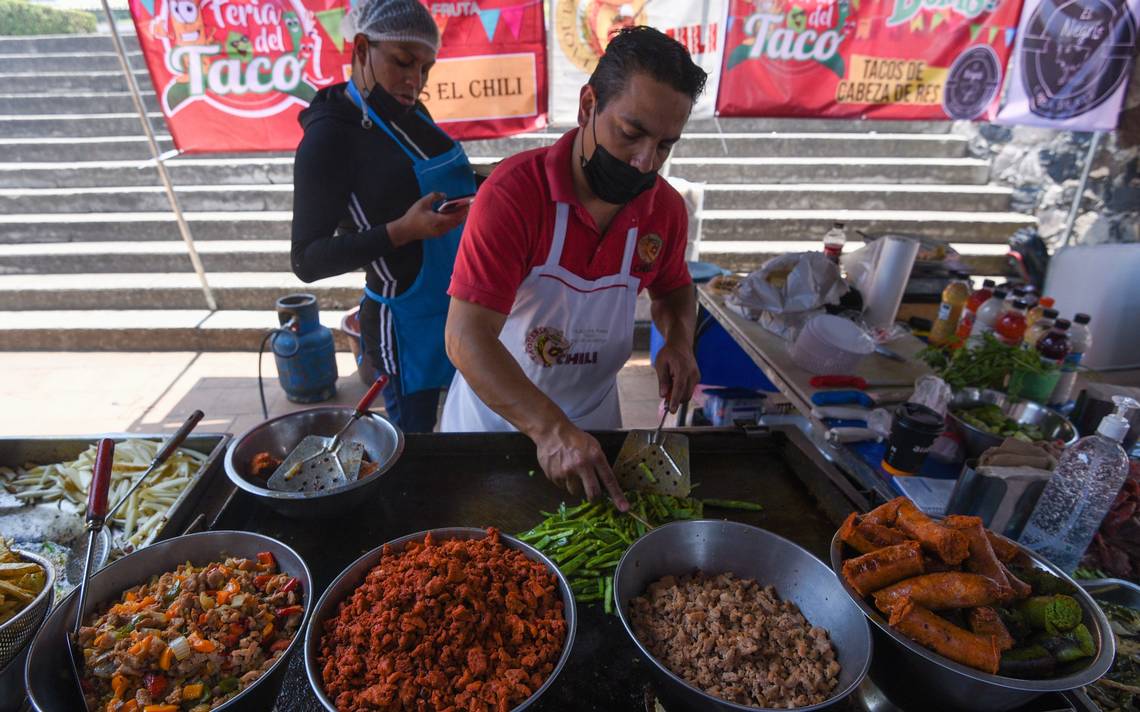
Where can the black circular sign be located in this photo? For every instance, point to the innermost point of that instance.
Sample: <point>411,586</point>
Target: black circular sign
<point>1075,54</point>
<point>972,83</point>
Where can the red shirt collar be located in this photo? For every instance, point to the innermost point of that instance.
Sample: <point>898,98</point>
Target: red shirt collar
<point>560,176</point>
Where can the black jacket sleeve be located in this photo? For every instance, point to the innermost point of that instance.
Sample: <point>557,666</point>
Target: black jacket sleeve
<point>322,188</point>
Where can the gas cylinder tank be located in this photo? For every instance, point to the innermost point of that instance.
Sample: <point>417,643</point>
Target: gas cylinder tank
<point>304,351</point>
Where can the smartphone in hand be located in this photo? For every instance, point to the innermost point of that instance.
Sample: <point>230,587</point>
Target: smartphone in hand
<point>452,205</point>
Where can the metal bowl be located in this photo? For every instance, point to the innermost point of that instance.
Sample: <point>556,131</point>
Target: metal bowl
<point>962,687</point>
<point>47,674</point>
<point>349,579</point>
<point>383,443</point>
<point>19,629</point>
<point>976,441</point>
<point>748,552</point>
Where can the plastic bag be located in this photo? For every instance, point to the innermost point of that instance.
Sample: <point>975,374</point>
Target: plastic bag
<point>788,290</point>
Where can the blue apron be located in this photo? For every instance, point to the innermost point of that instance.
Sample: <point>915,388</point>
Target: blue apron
<point>420,312</point>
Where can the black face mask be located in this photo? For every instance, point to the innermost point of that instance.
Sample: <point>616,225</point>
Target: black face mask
<point>379,99</point>
<point>612,179</point>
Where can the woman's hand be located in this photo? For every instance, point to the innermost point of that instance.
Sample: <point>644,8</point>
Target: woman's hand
<point>422,222</point>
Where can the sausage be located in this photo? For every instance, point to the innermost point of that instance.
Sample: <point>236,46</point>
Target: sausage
<point>943,637</point>
<point>1005,550</point>
<point>985,620</point>
<point>885,514</point>
<point>982,559</point>
<point>1020,588</point>
<point>866,537</point>
<point>947,544</point>
<point>878,569</point>
<point>942,591</point>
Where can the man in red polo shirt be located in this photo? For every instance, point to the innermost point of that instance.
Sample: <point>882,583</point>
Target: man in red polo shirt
<point>556,248</point>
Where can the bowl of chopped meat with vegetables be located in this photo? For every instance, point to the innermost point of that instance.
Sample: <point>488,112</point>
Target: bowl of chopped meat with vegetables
<point>196,623</point>
<point>733,617</point>
<point>464,619</point>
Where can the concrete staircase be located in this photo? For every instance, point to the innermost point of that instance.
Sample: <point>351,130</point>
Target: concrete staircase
<point>90,257</point>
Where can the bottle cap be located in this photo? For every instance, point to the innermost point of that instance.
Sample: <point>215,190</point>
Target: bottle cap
<point>1082,318</point>
<point>838,225</point>
<point>1062,324</point>
<point>1050,313</point>
<point>1019,292</point>
<point>1019,304</point>
<point>1115,426</point>
<point>1047,301</point>
<point>988,284</point>
<point>1000,293</point>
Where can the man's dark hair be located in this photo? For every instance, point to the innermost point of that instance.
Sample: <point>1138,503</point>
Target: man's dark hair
<point>644,49</point>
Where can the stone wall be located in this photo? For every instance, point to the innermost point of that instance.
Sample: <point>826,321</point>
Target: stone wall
<point>1043,167</point>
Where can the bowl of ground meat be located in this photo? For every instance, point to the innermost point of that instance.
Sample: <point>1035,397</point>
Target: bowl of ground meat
<point>197,623</point>
<point>732,617</point>
<point>460,619</point>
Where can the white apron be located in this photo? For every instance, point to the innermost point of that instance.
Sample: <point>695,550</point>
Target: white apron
<point>570,335</point>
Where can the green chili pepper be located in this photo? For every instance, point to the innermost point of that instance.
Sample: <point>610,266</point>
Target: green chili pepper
<point>648,472</point>
<point>733,504</point>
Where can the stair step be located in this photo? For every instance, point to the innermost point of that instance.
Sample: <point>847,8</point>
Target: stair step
<point>98,126</point>
<point>746,256</point>
<point>62,83</point>
<point>967,171</point>
<point>109,102</point>
<point>25,63</point>
<point>716,225</point>
<point>170,290</point>
<point>146,330</point>
<point>279,169</point>
<point>217,256</point>
<point>726,196</point>
<point>75,151</point>
<point>57,44</point>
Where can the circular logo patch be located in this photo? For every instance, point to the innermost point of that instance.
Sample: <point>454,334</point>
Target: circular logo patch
<point>648,248</point>
<point>585,27</point>
<point>973,82</point>
<point>1075,54</point>
<point>545,344</point>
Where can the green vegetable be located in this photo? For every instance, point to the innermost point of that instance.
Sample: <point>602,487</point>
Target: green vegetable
<point>1032,661</point>
<point>648,472</point>
<point>989,417</point>
<point>1052,614</point>
<point>228,684</point>
<point>588,540</point>
<point>733,504</point>
<point>987,366</point>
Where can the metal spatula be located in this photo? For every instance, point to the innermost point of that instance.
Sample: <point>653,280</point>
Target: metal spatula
<point>319,463</point>
<point>656,462</point>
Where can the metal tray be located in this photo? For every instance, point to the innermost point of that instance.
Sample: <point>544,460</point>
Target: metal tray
<point>196,508</point>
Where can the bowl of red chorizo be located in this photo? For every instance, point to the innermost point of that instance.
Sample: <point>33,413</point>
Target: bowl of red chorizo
<point>982,622</point>
<point>447,619</point>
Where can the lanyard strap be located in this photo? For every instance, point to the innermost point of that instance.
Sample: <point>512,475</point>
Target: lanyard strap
<point>354,93</point>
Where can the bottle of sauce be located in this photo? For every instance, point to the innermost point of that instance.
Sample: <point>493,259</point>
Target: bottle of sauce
<point>1010,326</point>
<point>1080,341</point>
<point>834,241</point>
<point>987,318</point>
<point>1039,328</point>
<point>954,298</point>
<point>970,311</point>
<point>1039,309</point>
<point>1054,346</point>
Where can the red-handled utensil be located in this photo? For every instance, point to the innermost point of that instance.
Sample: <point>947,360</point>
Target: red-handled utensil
<point>856,382</point>
<point>319,463</point>
<point>96,516</point>
<point>164,452</point>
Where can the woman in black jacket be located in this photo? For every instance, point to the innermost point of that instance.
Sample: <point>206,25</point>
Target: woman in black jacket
<point>369,173</point>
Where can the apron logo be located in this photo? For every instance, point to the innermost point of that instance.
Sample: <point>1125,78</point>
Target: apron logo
<point>648,249</point>
<point>548,347</point>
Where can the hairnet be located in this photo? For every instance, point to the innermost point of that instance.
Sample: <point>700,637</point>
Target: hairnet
<point>391,20</point>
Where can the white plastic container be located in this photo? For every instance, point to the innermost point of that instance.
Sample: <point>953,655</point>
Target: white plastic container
<point>831,345</point>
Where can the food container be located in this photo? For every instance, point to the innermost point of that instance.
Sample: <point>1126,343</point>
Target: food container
<point>976,441</point>
<point>748,552</point>
<point>17,632</point>
<point>1003,503</point>
<point>913,430</point>
<point>1033,386</point>
<point>960,687</point>
<point>349,579</point>
<point>831,345</point>
<point>383,444</point>
<point>48,675</point>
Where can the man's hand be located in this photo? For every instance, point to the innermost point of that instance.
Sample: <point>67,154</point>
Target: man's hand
<point>573,460</point>
<point>677,374</point>
<point>422,222</point>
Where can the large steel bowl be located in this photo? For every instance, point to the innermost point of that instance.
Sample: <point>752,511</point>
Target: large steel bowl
<point>349,579</point>
<point>976,441</point>
<point>748,552</point>
<point>47,674</point>
<point>383,443</point>
<point>960,687</point>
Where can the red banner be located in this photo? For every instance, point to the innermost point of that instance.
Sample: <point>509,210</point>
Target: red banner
<point>490,79</point>
<point>879,59</point>
<point>232,75</point>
